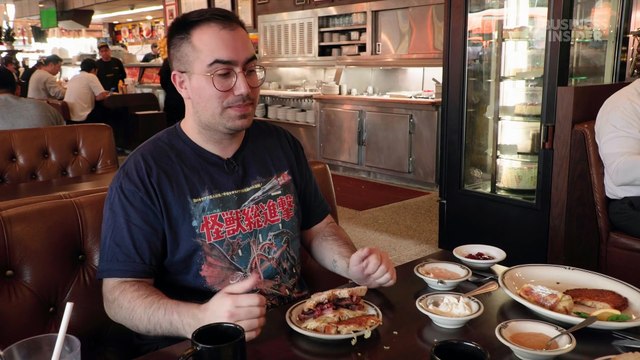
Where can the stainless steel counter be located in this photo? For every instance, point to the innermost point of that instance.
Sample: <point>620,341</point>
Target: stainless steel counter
<point>377,100</point>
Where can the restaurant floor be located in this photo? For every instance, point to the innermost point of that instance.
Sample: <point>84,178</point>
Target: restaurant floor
<point>407,230</point>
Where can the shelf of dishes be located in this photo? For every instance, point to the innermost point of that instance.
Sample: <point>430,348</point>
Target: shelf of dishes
<point>297,110</point>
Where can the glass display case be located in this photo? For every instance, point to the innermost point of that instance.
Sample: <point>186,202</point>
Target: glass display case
<point>594,42</point>
<point>505,67</point>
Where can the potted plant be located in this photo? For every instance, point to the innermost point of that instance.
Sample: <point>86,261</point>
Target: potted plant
<point>8,37</point>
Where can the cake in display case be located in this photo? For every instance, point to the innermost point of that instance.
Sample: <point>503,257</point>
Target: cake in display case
<point>505,103</point>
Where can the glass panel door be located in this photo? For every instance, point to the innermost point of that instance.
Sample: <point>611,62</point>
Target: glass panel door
<point>505,65</point>
<point>594,39</point>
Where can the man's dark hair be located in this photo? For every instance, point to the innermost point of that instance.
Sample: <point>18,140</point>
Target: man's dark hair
<point>52,59</point>
<point>7,81</point>
<point>180,30</point>
<point>88,65</point>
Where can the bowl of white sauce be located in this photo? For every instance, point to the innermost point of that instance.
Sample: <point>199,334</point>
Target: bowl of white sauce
<point>449,310</point>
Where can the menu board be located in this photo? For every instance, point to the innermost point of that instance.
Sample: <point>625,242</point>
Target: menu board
<point>150,75</point>
<point>133,72</point>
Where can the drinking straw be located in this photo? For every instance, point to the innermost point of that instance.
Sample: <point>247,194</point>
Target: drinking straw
<point>63,331</point>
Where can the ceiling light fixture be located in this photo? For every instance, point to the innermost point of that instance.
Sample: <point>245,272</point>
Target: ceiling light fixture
<point>127,12</point>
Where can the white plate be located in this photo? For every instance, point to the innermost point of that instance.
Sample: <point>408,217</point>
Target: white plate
<point>561,278</point>
<point>294,323</point>
<point>608,357</point>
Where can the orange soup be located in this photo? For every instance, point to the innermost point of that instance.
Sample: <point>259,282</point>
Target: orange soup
<point>532,340</point>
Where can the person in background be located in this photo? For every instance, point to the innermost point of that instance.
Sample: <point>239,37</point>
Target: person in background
<point>26,76</point>
<point>110,69</point>
<point>173,101</point>
<point>83,90</point>
<point>19,112</point>
<point>205,221</point>
<point>43,84</point>
<point>618,136</point>
<point>11,63</point>
<point>154,54</point>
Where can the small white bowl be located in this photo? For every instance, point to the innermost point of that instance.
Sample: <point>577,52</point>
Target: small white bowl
<point>446,321</point>
<point>505,330</point>
<point>424,270</point>
<point>461,252</point>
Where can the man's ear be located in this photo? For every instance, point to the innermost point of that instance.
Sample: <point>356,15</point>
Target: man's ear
<point>181,82</point>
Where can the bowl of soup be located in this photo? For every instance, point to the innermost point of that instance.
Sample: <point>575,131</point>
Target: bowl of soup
<point>527,339</point>
<point>442,275</point>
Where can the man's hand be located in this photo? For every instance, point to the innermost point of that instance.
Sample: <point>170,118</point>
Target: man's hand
<point>372,267</point>
<point>238,304</point>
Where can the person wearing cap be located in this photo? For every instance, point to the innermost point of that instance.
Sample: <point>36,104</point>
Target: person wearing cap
<point>110,69</point>
<point>154,54</point>
<point>43,84</point>
<point>19,112</point>
<point>83,91</point>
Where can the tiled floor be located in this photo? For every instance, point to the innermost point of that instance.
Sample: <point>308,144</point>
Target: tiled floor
<point>406,230</point>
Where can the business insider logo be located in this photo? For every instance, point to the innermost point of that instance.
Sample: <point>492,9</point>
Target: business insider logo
<point>571,30</point>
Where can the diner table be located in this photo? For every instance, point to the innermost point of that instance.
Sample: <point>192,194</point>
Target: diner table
<point>406,333</point>
<point>67,184</point>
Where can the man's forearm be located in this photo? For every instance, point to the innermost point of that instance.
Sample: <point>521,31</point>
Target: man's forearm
<point>330,246</point>
<point>138,305</point>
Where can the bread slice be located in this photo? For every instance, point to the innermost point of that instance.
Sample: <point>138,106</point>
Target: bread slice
<point>330,295</point>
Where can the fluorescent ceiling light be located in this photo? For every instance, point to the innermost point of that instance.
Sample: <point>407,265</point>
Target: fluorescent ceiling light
<point>128,12</point>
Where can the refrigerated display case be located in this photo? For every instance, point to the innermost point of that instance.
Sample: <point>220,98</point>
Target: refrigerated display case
<point>504,100</point>
<point>496,169</point>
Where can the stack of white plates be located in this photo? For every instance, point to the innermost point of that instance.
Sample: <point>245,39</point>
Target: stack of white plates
<point>272,111</point>
<point>301,116</point>
<point>261,110</point>
<point>330,89</point>
<point>282,113</point>
<point>291,114</point>
<point>310,117</point>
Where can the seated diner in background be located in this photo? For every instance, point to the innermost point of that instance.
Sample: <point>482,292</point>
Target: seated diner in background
<point>618,136</point>
<point>26,76</point>
<point>83,91</point>
<point>18,112</point>
<point>43,84</point>
<point>205,221</point>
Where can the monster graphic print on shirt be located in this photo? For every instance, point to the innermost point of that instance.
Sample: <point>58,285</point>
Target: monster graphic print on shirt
<point>251,230</point>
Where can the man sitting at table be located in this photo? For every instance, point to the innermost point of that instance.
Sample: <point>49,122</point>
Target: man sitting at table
<point>18,112</point>
<point>205,222</point>
<point>618,135</point>
<point>83,91</point>
<point>43,84</point>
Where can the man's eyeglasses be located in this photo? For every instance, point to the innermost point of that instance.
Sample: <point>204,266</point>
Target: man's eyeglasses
<point>225,79</point>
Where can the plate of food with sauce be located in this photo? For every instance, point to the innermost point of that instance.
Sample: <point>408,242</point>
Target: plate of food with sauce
<point>569,294</point>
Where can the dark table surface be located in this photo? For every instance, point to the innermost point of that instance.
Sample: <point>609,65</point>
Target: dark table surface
<point>406,333</point>
<point>36,188</point>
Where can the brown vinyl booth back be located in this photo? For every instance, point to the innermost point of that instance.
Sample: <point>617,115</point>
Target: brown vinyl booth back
<point>49,256</point>
<point>619,252</point>
<point>46,153</point>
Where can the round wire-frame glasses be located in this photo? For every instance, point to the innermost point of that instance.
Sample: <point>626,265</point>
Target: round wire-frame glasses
<point>226,78</point>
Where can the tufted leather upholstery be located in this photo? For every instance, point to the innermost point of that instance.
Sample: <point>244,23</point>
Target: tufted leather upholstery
<point>49,257</point>
<point>619,252</point>
<point>46,153</point>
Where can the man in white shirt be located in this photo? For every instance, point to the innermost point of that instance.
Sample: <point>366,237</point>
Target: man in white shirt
<point>618,136</point>
<point>43,84</point>
<point>83,90</point>
<point>18,112</point>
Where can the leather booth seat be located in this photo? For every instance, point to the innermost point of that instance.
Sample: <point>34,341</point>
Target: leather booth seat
<point>50,257</point>
<point>619,252</point>
<point>46,153</point>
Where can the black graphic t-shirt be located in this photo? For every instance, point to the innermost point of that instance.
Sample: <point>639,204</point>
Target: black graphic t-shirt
<point>195,222</point>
